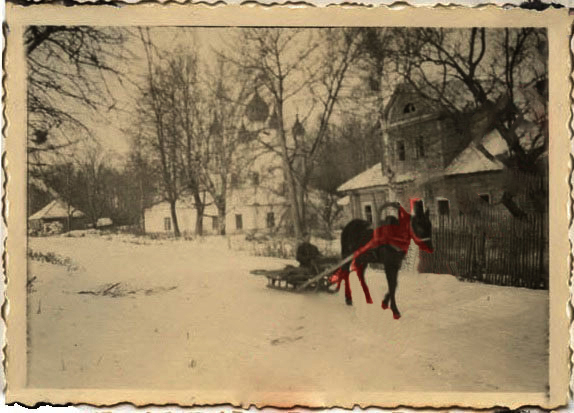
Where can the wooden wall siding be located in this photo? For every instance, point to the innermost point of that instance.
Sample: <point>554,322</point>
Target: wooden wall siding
<point>463,191</point>
<point>491,248</point>
<point>433,138</point>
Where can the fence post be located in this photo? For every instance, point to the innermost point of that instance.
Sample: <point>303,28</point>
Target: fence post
<point>483,258</point>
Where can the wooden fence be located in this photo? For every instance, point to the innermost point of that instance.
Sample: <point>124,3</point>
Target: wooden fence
<point>493,248</point>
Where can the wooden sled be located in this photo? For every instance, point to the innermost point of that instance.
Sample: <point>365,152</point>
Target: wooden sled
<point>300,279</point>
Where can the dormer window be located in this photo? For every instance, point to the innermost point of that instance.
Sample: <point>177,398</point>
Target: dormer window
<point>409,108</point>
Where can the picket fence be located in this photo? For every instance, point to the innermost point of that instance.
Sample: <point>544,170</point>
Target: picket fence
<point>491,248</point>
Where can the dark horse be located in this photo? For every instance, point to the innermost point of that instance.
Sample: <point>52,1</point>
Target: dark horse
<point>392,239</point>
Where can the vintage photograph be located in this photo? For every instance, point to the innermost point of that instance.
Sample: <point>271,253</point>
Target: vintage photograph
<point>287,210</point>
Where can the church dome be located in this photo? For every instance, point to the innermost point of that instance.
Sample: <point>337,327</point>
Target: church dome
<point>257,110</point>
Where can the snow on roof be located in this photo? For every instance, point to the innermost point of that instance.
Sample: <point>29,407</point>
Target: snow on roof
<point>370,178</point>
<point>186,202</point>
<point>103,222</point>
<point>472,160</point>
<point>254,195</point>
<point>56,209</point>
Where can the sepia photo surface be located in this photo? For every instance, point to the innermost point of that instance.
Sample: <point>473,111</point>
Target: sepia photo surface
<point>287,206</point>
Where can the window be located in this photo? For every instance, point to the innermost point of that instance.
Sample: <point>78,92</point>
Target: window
<point>167,224</point>
<point>401,150</point>
<point>485,198</point>
<point>270,220</point>
<point>419,148</point>
<point>254,178</point>
<point>414,201</point>
<point>215,223</point>
<point>409,108</point>
<point>238,221</point>
<point>443,207</point>
<point>234,180</point>
<point>368,213</point>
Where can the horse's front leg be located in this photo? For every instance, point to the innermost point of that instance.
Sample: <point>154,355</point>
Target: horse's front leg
<point>392,281</point>
<point>348,297</point>
<point>385,303</point>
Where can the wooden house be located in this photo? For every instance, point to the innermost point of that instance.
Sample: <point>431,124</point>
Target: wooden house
<point>57,212</point>
<point>432,156</point>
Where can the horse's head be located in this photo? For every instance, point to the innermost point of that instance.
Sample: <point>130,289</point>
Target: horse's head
<point>421,227</point>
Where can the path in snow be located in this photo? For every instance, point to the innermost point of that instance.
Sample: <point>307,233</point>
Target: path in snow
<point>221,328</point>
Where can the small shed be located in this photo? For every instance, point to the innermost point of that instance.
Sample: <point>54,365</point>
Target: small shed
<point>56,214</point>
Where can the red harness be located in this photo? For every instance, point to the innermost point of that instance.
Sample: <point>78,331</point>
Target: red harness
<point>398,236</point>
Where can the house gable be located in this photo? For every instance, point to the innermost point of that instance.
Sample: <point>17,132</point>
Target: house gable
<point>419,138</point>
<point>406,105</point>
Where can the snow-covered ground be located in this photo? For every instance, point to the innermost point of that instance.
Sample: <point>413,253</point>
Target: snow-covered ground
<point>189,315</point>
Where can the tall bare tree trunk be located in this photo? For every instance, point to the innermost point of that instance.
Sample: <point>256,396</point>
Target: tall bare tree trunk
<point>221,212</point>
<point>291,185</point>
<point>199,209</point>
<point>172,207</point>
<point>142,209</point>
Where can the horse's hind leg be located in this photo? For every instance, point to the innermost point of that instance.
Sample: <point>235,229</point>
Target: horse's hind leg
<point>361,275</point>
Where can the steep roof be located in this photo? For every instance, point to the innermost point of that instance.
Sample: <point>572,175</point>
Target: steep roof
<point>404,94</point>
<point>56,209</point>
<point>473,160</point>
<point>372,177</point>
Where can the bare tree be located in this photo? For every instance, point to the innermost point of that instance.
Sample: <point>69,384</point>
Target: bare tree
<point>182,72</point>
<point>142,181</point>
<point>491,66</point>
<point>68,67</point>
<point>221,130</point>
<point>286,63</point>
<point>478,70</point>
<point>93,183</point>
<point>158,96</point>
